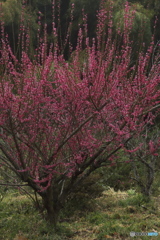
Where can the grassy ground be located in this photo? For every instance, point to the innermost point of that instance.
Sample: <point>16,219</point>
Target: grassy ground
<point>112,216</point>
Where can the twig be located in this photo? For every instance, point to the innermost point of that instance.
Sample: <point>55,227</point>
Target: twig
<point>13,185</point>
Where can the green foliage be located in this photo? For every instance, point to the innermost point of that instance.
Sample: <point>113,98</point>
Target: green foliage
<point>154,4</point>
<point>97,218</point>
<point>13,17</point>
<point>156,185</point>
<point>11,10</point>
<point>141,22</point>
<point>90,8</point>
<point>83,199</point>
<point>135,200</point>
<point>117,176</point>
<point>131,192</point>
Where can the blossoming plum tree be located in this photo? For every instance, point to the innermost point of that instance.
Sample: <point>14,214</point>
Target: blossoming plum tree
<point>62,120</point>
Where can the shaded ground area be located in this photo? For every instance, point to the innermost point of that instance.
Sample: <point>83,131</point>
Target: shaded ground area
<point>112,216</point>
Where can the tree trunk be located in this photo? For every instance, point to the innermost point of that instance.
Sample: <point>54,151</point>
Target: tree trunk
<point>52,207</point>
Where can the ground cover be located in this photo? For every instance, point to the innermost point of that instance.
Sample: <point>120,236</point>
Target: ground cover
<point>112,216</point>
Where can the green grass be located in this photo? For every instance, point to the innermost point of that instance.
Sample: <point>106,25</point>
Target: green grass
<point>114,216</point>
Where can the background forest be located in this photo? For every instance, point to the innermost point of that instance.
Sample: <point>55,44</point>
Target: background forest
<point>147,12</point>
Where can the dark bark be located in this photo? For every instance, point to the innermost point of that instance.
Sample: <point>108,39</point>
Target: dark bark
<point>52,206</point>
<point>146,185</point>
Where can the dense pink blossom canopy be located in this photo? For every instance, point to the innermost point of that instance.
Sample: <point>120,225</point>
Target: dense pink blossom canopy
<point>60,117</point>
